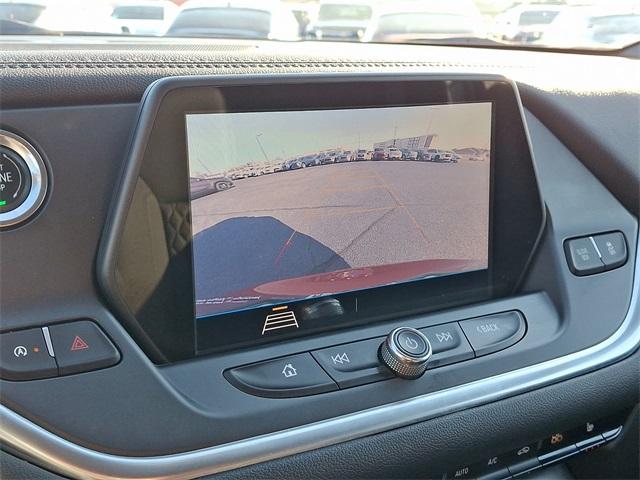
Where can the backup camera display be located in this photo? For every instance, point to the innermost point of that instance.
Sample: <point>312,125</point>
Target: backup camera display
<point>301,204</point>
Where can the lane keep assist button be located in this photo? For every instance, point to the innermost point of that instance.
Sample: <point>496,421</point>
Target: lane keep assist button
<point>24,356</point>
<point>494,332</point>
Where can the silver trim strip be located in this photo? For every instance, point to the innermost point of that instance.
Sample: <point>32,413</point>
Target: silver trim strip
<point>39,179</point>
<point>47,341</point>
<point>76,461</point>
<point>593,242</point>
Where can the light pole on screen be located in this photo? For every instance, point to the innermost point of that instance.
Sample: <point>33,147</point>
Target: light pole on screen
<point>261,147</point>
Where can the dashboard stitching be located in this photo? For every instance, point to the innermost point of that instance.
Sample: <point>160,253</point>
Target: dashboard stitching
<point>182,65</point>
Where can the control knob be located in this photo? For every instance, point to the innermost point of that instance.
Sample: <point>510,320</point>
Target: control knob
<point>406,351</point>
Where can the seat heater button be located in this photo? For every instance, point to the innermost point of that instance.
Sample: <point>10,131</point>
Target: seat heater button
<point>494,332</point>
<point>294,376</point>
<point>24,356</point>
<point>81,347</point>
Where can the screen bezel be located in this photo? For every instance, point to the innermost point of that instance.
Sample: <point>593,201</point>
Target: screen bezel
<point>516,211</point>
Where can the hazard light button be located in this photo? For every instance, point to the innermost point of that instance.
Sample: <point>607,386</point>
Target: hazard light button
<point>81,346</point>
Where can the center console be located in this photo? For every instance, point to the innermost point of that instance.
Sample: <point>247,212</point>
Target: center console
<point>290,262</point>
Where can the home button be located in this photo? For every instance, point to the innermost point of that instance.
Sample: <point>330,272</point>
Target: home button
<point>293,376</point>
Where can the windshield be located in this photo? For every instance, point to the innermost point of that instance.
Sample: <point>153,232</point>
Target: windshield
<point>565,24</point>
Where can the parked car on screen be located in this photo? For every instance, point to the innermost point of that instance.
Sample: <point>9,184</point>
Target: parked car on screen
<point>379,154</point>
<point>329,157</point>
<point>346,156</point>
<point>524,23</point>
<point>362,155</point>
<point>202,186</point>
<point>338,20</point>
<point>293,164</point>
<point>255,19</point>
<point>310,160</point>
<point>408,154</point>
<point>394,154</point>
<point>144,17</point>
<point>438,155</point>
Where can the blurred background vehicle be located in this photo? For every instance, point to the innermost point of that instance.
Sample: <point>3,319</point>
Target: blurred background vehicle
<point>257,19</point>
<point>363,155</point>
<point>394,154</point>
<point>593,27</point>
<point>144,17</point>
<point>78,16</point>
<point>329,157</point>
<point>379,154</point>
<point>409,154</point>
<point>524,23</point>
<point>417,21</point>
<point>310,160</point>
<point>293,164</point>
<point>345,156</point>
<point>565,24</point>
<point>438,155</point>
<point>23,11</point>
<point>340,20</point>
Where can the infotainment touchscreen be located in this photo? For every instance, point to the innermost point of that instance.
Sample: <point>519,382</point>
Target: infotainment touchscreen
<point>297,205</point>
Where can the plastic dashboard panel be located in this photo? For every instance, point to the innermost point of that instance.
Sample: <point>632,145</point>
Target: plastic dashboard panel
<point>192,417</point>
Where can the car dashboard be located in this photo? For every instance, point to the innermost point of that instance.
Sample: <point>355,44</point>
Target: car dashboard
<point>512,347</point>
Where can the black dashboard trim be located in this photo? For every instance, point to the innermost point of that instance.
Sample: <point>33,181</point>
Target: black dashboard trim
<point>64,456</point>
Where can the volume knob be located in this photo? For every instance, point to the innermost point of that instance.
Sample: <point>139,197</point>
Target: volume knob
<point>406,351</point>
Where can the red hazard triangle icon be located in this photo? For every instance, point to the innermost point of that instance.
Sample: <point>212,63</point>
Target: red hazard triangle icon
<point>78,344</point>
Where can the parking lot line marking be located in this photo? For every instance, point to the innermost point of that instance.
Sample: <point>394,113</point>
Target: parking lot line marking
<point>350,189</point>
<point>404,207</point>
<point>284,248</point>
<point>349,212</point>
<point>416,224</point>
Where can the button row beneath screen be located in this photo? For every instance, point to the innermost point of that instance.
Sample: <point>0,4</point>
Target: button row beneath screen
<point>61,349</point>
<point>358,363</point>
